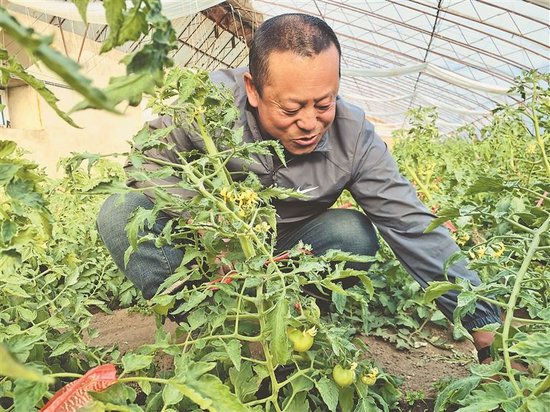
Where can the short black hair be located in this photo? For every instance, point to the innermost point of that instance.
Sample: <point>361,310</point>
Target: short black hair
<point>299,33</point>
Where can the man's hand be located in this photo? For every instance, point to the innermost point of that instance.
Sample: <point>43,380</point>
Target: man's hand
<point>482,340</point>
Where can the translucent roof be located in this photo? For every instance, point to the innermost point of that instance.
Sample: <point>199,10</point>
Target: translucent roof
<point>457,55</point>
<point>485,43</point>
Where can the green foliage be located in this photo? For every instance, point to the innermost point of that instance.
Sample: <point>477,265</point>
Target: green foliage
<point>54,269</point>
<point>11,68</point>
<point>39,47</point>
<point>234,332</point>
<point>145,67</point>
<point>494,190</point>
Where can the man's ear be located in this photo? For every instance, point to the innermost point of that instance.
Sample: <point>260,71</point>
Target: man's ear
<point>251,91</point>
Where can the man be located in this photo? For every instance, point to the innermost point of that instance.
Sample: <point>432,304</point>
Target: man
<point>290,93</point>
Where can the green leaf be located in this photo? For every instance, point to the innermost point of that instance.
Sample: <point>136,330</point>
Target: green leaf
<point>134,25</point>
<point>193,301</point>
<point>13,369</point>
<point>145,386</point>
<point>26,314</point>
<point>455,392</point>
<point>208,392</point>
<point>233,348</point>
<point>244,382</point>
<point>67,69</point>
<point>27,394</point>
<point>7,230</point>
<point>7,147</point>
<point>345,399</point>
<point>443,216</point>
<point>172,393</point>
<point>487,370</point>
<point>339,301</point>
<point>7,172</point>
<point>436,289</point>
<point>63,347</point>
<point>485,184</point>
<point>451,260</point>
<point>300,403</point>
<point>367,405</point>
<point>116,394</point>
<point>467,301</point>
<point>490,327</point>
<point>300,384</point>
<point>16,69</point>
<point>484,405</point>
<point>24,191</point>
<point>114,14</point>
<point>82,6</point>
<point>163,303</point>
<point>489,397</point>
<point>536,346</point>
<point>130,87</point>
<point>538,404</point>
<point>367,283</point>
<point>329,392</point>
<point>134,362</point>
<point>278,322</point>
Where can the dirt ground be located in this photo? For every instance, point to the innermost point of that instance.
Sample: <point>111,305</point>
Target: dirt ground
<point>419,368</point>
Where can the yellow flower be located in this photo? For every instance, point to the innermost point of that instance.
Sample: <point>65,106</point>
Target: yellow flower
<point>261,227</point>
<point>480,252</point>
<point>498,250</point>
<point>248,198</point>
<point>464,238</point>
<point>227,194</point>
<point>370,378</point>
<point>531,148</point>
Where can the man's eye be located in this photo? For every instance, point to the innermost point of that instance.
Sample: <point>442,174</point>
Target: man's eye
<point>291,112</point>
<point>324,107</point>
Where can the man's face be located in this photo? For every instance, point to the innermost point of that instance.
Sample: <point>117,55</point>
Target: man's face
<point>298,102</point>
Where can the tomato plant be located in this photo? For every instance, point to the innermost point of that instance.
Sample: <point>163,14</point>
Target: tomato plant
<point>236,338</point>
<point>495,190</point>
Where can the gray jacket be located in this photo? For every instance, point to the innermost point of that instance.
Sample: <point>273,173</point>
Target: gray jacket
<point>349,156</point>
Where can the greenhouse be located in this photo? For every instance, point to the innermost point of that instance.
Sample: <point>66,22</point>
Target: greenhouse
<point>250,205</point>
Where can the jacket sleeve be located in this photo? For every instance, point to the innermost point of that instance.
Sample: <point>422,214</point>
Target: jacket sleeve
<point>391,203</point>
<point>177,140</point>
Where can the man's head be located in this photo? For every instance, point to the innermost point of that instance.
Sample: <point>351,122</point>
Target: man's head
<point>294,79</point>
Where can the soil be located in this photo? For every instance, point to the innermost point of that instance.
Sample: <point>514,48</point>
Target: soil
<point>419,368</point>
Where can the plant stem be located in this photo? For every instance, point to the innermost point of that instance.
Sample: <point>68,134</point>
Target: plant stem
<point>65,375</point>
<point>532,321</point>
<point>537,194</point>
<point>246,244</point>
<point>513,299</point>
<point>227,336</point>
<point>267,353</point>
<point>420,184</point>
<point>518,225</point>
<point>143,379</point>
<point>539,138</point>
<point>493,301</point>
<point>543,387</point>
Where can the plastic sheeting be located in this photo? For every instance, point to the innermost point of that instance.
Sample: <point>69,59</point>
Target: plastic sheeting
<point>172,9</point>
<point>429,69</point>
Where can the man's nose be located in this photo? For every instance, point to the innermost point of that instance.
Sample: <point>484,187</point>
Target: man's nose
<point>307,120</point>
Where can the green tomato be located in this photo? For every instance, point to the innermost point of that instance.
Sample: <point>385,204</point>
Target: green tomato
<point>343,377</point>
<point>301,341</point>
